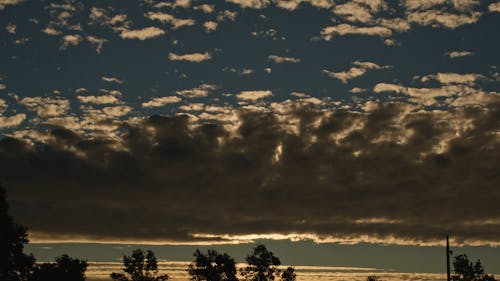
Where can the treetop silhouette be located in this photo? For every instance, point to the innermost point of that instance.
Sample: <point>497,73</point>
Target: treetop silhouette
<point>140,266</point>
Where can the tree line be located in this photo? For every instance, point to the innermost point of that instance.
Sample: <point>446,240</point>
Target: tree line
<point>262,264</point>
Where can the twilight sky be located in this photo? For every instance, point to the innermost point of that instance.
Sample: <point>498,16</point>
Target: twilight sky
<point>225,122</point>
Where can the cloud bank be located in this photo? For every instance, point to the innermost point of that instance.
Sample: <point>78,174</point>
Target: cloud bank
<point>389,174</point>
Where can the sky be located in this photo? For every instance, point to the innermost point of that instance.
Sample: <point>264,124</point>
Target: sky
<point>329,126</point>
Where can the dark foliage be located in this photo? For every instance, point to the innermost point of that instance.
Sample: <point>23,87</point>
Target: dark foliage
<point>212,267</point>
<point>262,265</point>
<point>64,269</point>
<point>140,266</point>
<point>15,265</point>
<point>465,270</point>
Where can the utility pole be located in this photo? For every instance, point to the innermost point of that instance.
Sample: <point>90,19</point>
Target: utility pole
<point>448,275</point>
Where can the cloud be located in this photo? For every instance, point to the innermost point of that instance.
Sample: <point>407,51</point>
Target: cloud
<point>280,59</point>
<point>303,172</point>
<point>70,40</point>
<point>11,121</point>
<point>2,87</point>
<point>194,57</point>
<point>210,26</point>
<point>494,7</point>
<point>346,29</point>
<point>167,18</point>
<point>456,90</point>
<point>112,80</point>
<point>46,107</point>
<point>98,99</point>
<point>454,78</point>
<point>200,91</point>
<point>51,31</point>
<point>459,54</point>
<point>359,69</point>
<point>97,42</point>
<point>206,8</point>
<point>4,3</point>
<point>158,102</point>
<point>253,4</point>
<point>254,95</point>
<point>439,18</point>
<point>242,71</point>
<point>142,34</point>
<point>117,111</point>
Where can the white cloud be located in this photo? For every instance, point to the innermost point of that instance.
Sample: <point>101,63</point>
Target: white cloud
<point>206,8</point>
<point>242,71</point>
<point>254,95</point>
<point>253,4</point>
<point>280,59</point>
<point>194,57</point>
<point>142,34</point>
<point>2,87</point>
<point>201,91</point>
<point>11,28</point>
<point>494,7</point>
<point>459,54</point>
<point>97,42</point>
<point>51,31</point>
<point>454,78</point>
<point>46,107</point>
<point>117,111</point>
<point>359,69</point>
<point>346,29</point>
<point>167,18</point>
<point>353,12</point>
<point>112,79</point>
<point>107,99</point>
<point>11,121</point>
<point>4,3</point>
<point>437,18</point>
<point>192,107</point>
<point>158,102</point>
<point>210,26</point>
<point>70,40</point>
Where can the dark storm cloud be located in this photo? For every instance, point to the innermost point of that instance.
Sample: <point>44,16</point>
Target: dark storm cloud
<point>390,173</point>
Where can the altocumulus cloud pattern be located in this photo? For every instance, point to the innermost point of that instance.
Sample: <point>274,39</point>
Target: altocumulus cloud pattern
<point>225,121</point>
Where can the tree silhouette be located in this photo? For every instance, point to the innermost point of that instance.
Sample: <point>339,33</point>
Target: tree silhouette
<point>261,265</point>
<point>64,269</point>
<point>372,278</point>
<point>289,274</point>
<point>467,271</point>
<point>212,267</point>
<point>14,264</point>
<point>140,266</point>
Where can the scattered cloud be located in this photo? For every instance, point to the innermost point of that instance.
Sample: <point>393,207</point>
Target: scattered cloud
<point>253,4</point>
<point>200,91</point>
<point>254,95</point>
<point>162,101</point>
<point>46,107</point>
<point>210,26</point>
<point>328,33</point>
<point>359,69</point>
<point>167,18</point>
<point>112,79</point>
<point>459,54</point>
<point>98,99</point>
<point>193,57</point>
<point>280,59</point>
<point>142,34</point>
<point>97,42</point>
<point>494,7</point>
<point>70,40</point>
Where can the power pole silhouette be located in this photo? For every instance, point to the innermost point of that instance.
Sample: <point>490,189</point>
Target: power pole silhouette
<point>448,252</point>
